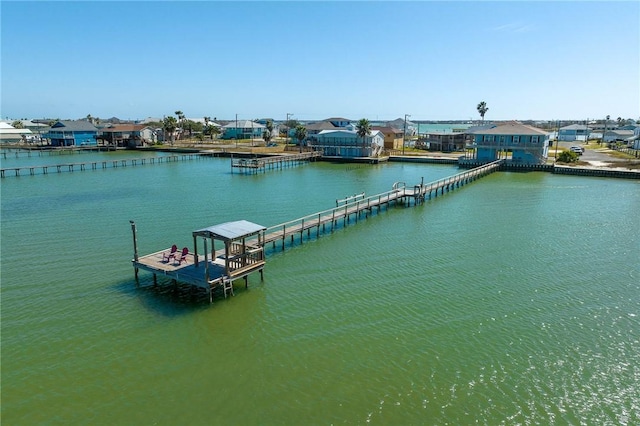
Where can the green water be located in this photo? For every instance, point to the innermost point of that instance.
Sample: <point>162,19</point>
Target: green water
<point>512,300</point>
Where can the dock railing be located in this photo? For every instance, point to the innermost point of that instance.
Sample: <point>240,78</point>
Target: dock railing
<point>255,164</point>
<point>352,206</point>
<point>356,204</point>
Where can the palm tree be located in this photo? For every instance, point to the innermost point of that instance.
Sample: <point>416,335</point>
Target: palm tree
<point>215,131</point>
<point>268,132</point>
<point>482,109</point>
<point>180,116</point>
<point>17,124</point>
<point>169,125</point>
<point>208,127</point>
<point>300,134</point>
<point>363,128</point>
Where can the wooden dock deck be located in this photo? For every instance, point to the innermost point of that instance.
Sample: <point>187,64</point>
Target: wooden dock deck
<point>214,269</point>
<point>255,165</point>
<point>207,274</point>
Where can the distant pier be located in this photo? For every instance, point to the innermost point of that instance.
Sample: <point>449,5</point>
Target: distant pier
<point>255,165</point>
<point>94,165</point>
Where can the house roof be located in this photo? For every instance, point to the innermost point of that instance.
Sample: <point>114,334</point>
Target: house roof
<point>7,129</point>
<point>617,132</point>
<point>230,230</point>
<point>575,127</point>
<point>386,129</point>
<point>243,124</point>
<point>399,121</point>
<point>476,129</point>
<point>75,126</point>
<point>125,128</point>
<point>337,119</point>
<point>513,128</point>
<point>321,125</point>
<point>348,132</point>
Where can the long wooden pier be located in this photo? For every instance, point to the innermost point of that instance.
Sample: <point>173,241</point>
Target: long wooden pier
<point>352,208</point>
<point>95,165</point>
<point>255,165</point>
<point>245,242</point>
<point>39,151</point>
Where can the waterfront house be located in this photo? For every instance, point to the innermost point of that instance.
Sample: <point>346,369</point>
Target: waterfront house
<point>128,135</point>
<point>393,138</point>
<point>442,141</point>
<point>9,134</point>
<point>347,143</point>
<point>573,132</point>
<point>242,129</point>
<point>399,123</point>
<point>527,144</point>
<point>471,130</point>
<point>334,123</point>
<point>72,133</point>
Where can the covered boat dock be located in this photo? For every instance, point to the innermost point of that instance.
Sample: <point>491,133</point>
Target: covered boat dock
<point>236,257</point>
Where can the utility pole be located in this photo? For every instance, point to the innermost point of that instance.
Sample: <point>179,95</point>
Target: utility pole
<point>555,158</point>
<point>404,133</point>
<point>286,123</point>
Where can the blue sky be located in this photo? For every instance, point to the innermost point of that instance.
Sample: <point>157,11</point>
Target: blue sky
<point>377,60</point>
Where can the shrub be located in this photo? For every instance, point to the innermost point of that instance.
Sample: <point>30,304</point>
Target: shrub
<point>567,157</point>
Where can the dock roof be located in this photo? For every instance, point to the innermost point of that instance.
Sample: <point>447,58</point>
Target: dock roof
<point>230,230</point>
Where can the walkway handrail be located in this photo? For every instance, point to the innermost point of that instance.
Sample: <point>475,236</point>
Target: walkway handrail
<point>343,209</point>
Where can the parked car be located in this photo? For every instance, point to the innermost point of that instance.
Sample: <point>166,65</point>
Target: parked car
<point>577,149</point>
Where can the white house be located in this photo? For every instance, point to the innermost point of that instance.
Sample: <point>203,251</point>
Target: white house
<point>634,141</point>
<point>574,132</point>
<point>347,143</point>
<point>242,129</point>
<point>8,133</point>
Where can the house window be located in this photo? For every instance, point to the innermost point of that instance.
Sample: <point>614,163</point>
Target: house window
<point>488,138</point>
<point>534,139</point>
<point>516,139</point>
<point>501,139</point>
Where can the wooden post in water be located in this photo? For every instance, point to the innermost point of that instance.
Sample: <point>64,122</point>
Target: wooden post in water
<point>135,250</point>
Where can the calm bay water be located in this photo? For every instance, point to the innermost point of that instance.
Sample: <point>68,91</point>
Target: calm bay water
<point>513,300</point>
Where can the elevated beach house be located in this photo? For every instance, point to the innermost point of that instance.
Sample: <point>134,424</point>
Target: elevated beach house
<point>72,133</point>
<point>128,135</point>
<point>574,132</point>
<point>400,123</point>
<point>242,129</point>
<point>347,143</point>
<point>443,141</point>
<point>527,144</point>
<point>393,138</point>
<point>335,123</point>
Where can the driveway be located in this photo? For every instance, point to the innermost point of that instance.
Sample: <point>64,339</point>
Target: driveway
<point>597,157</point>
